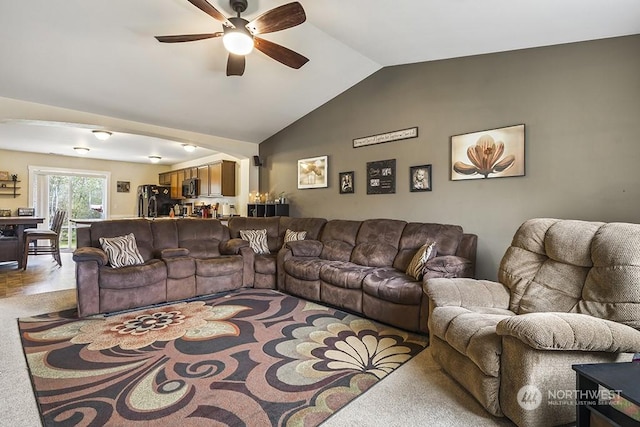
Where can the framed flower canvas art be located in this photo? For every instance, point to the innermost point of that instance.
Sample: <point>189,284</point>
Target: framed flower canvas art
<point>493,153</point>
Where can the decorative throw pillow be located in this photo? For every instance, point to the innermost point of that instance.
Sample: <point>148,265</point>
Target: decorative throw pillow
<point>292,236</point>
<point>415,268</point>
<point>257,240</point>
<point>122,250</point>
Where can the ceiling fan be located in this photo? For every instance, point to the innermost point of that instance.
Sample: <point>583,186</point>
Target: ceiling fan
<point>239,36</point>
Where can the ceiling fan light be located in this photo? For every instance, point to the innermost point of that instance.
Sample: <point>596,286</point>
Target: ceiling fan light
<point>81,150</point>
<point>190,148</point>
<point>155,159</point>
<point>102,135</point>
<point>237,42</point>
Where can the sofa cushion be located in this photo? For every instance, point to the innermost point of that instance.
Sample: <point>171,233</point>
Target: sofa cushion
<point>304,268</point>
<point>344,274</point>
<point>391,285</point>
<point>220,266</point>
<point>313,226</point>
<point>339,238</point>
<point>201,237</point>
<point>122,251</point>
<point>140,228</point>
<point>415,268</point>
<point>377,242</point>
<point>149,273</point>
<point>257,240</point>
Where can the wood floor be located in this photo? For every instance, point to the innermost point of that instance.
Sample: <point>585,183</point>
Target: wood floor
<point>42,275</point>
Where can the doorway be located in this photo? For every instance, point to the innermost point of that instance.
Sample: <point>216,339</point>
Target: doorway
<point>83,194</point>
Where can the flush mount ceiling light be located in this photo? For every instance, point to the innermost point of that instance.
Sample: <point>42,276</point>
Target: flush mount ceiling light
<point>155,159</point>
<point>81,150</point>
<point>102,135</point>
<point>189,147</point>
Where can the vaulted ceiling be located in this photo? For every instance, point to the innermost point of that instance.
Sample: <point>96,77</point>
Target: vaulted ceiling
<point>101,57</point>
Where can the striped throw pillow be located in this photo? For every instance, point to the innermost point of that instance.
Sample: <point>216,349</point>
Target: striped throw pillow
<point>292,236</point>
<point>416,266</point>
<point>257,240</point>
<point>122,250</point>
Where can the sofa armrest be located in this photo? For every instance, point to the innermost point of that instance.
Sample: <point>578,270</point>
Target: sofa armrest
<point>305,248</point>
<point>571,331</point>
<point>174,252</point>
<point>89,253</point>
<point>448,266</point>
<point>468,293</point>
<point>232,246</point>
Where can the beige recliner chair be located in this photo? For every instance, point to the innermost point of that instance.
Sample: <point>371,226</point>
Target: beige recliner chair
<point>569,292</point>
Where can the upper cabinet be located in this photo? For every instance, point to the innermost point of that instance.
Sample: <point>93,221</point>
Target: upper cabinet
<point>216,179</point>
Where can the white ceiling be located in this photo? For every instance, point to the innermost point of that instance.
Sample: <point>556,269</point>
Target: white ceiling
<point>100,56</point>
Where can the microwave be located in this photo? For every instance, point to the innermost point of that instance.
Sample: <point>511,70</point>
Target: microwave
<point>190,188</point>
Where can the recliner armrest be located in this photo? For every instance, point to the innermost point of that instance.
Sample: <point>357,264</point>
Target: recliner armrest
<point>89,253</point>
<point>468,293</point>
<point>232,246</point>
<point>305,248</point>
<point>571,331</point>
<point>448,266</point>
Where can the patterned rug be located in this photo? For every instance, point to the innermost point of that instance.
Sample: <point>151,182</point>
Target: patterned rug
<point>248,358</point>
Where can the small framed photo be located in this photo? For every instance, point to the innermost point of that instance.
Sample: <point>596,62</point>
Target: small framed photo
<point>123,186</point>
<point>346,182</point>
<point>420,178</point>
<point>312,172</point>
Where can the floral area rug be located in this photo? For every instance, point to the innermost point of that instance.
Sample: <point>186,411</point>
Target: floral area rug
<point>248,358</point>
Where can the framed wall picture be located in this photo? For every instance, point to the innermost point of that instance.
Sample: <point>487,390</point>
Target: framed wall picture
<point>123,186</point>
<point>381,177</point>
<point>346,182</point>
<point>312,172</point>
<point>493,153</point>
<point>420,178</point>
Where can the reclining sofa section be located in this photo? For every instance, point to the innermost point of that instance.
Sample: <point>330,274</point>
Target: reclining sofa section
<point>361,266</point>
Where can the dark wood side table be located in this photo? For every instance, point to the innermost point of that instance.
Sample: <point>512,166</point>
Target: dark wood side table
<point>623,378</point>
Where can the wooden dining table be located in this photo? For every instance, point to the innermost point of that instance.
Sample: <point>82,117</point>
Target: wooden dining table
<point>12,239</point>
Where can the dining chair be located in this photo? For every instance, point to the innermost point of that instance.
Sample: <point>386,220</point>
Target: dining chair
<point>33,235</point>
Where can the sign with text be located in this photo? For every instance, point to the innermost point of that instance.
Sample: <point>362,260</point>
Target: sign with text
<point>386,137</point>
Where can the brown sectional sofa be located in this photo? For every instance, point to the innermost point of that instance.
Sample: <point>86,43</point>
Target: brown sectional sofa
<point>183,259</point>
<point>355,265</point>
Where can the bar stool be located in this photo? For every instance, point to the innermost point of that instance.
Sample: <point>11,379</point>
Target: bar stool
<point>32,235</point>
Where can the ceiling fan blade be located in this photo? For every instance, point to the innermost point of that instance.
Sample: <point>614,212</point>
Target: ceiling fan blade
<point>235,65</point>
<point>187,37</point>
<point>280,53</point>
<point>279,18</point>
<point>206,7</point>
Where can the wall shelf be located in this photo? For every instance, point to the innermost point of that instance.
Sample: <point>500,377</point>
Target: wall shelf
<point>9,187</point>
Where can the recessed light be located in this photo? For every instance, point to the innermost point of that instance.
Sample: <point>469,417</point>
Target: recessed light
<point>81,150</point>
<point>102,135</point>
<point>189,147</point>
<point>155,159</point>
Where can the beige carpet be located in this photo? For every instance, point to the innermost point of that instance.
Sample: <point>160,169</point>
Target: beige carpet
<point>416,394</point>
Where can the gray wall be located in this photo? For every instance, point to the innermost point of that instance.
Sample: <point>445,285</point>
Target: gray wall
<point>581,107</point>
